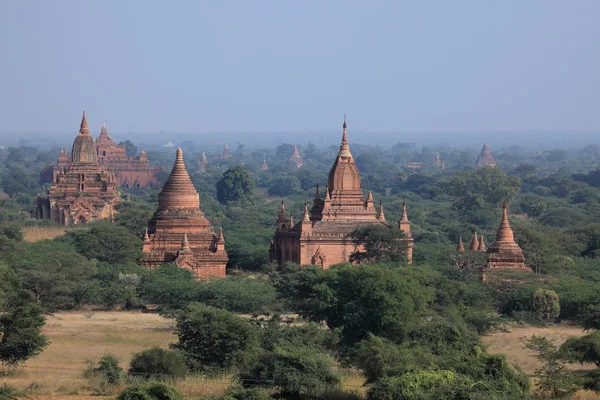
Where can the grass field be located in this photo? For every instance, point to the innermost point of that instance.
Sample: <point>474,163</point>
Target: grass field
<point>79,337</point>
<point>36,233</point>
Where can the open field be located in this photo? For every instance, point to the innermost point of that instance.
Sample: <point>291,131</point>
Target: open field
<point>36,233</point>
<point>512,344</point>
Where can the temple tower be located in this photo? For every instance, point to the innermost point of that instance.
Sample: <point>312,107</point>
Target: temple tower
<point>505,253</point>
<point>202,163</point>
<point>180,233</point>
<point>461,246</point>
<point>404,226</point>
<point>265,166</point>
<point>296,159</point>
<point>321,237</point>
<point>226,154</point>
<point>486,158</point>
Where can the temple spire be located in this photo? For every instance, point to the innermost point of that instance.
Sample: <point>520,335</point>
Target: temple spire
<point>291,221</point>
<point>344,147</point>
<point>404,217</point>
<point>185,245</point>
<point>306,216</point>
<point>221,237</point>
<point>146,237</point>
<point>178,191</point>
<point>505,233</point>
<point>381,215</point>
<point>84,124</point>
<point>481,246</point>
<point>474,243</point>
<point>461,246</point>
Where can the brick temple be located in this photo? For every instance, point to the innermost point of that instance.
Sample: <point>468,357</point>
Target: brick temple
<point>486,158</point>
<point>321,236</point>
<point>296,159</point>
<point>180,233</point>
<point>129,171</point>
<point>81,190</point>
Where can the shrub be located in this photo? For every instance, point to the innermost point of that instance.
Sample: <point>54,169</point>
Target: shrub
<point>240,393</point>
<point>10,393</point>
<point>150,391</point>
<point>159,363</point>
<point>546,304</point>
<point>108,370</point>
<point>214,340</point>
<point>294,371</point>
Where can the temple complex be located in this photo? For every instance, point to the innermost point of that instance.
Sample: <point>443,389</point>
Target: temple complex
<point>321,236</point>
<point>485,158</point>
<point>296,159</point>
<point>226,155</point>
<point>505,253</point>
<point>265,166</point>
<point>82,190</point>
<point>180,233</point>
<point>130,171</point>
<point>202,163</point>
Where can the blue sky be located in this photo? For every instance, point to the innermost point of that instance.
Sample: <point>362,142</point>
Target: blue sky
<point>256,66</point>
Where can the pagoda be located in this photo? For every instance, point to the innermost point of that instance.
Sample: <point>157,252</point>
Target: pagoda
<point>226,154</point>
<point>321,237</point>
<point>265,166</point>
<point>180,233</point>
<point>202,163</point>
<point>130,171</point>
<point>505,253</point>
<point>82,191</point>
<point>486,158</point>
<point>296,159</point>
<point>437,162</point>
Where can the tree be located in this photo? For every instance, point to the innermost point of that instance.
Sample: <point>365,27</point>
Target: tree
<point>235,186</point>
<point>130,148</point>
<point>133,217</point>
<point>108,243</point>
<point>284,185</point>
<point>298,372</point>
<point>214,340</point>
<point>157,363</point>
<point>150,391</point>
<point>553,377</point>
<point>378,243</point>
<point>546,304</point>
<point>21,321</point>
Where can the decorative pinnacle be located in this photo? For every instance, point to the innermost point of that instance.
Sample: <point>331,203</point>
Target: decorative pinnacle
<point>84,124</point>
<point>146,236</point>
<point>185,245</point>
<point>404,217</point>
<point>461,246</point>
<point>221,237</point>
<point>327,197</point>
<point>306,216</point>
<point>474,243</point>
<point>381,216</point>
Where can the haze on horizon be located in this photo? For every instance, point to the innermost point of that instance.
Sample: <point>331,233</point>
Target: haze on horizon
<point>273,66</point>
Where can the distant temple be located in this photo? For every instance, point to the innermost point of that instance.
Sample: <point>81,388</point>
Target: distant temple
<point>505,253</point>
<point>82,190</point>
<point>321,236</point>
<point>264,166</point>
<point>413,164</point>
<point>226,154</point>
<point>202,163</point>
<point>130,171</point>
<point>180,233</point>
<point>296,159</point>
<point>436,162</point>
<point>485,158</point>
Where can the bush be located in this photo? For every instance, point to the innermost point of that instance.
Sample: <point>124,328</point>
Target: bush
<point>546,304</point>
<point>10,393</point>
<point>239,393</point>
<point>150,391</point>
<point>108,370</point>
<point>294,371</point>
<point>214,340</point>
<point>158,363</point>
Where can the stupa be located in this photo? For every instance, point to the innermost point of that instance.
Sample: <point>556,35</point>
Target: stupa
<point>180,233</point>
<point>202,163</point>
<point>296,159</point>
<point>486,158</point>
<point>505,253</point>
<point>226,154</point>
<point>265,166</point>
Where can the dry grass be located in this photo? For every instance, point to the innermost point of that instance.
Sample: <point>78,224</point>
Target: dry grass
<point>36,233</point>
<point>585,395</point>
<point>77,337</point>
<point>512,344</point>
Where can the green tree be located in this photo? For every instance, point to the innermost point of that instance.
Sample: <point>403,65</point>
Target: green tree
<point>236,186</point>
<point>546,304</point>
<point>553,377</point>
<point>150,391</point>
<point>130,148</point>
<point>284,185</point>
<point>214,340</point>
<point>108,243</point>
<point>583,349</point>
<point>378,243</point>
<point>133,217</point>
<point>297,372</point>
<point>21,321</point>
<point>157,363</point>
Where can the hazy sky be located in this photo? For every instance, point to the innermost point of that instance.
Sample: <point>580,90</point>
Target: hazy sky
<point>255,66</point>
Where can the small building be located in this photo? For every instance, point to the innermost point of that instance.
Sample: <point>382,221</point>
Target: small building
<point>202,163</point>
<point>180,233</point>
<point>486,158</point>
<point>296,159</point>
<point>226,155</point>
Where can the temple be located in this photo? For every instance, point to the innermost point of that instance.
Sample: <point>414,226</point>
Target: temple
<point>180,233</point>
<point>296,159</point>
<point>436,162</point>
<point>82,190</point>
<point>505,253</point>
<point>226,155</point>
<point>265,166</point>
<point>321,236</point>
<point>130,171</point>
<point>202,163</point>
<point>486,158</point>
